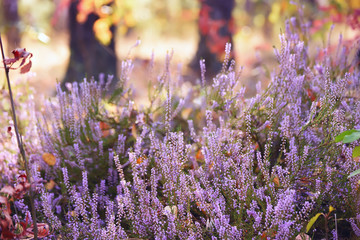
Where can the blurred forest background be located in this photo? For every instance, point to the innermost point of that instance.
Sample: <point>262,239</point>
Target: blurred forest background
<point>42,27</point>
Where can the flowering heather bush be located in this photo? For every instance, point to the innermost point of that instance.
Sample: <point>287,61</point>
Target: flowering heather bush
<point>204,162</point>
<point>9,154</point>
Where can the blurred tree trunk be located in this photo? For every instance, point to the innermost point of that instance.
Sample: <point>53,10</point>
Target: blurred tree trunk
<point>216,28</point>
<point>88,57</point>
<point>11,20</point>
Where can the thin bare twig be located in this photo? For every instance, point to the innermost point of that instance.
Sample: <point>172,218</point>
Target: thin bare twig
<point>19,141</point>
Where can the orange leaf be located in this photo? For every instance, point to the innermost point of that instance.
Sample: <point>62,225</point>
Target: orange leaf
<point>201,209</point>
<point>139,160</point>
<point>199,156</point>
<point>276,181</point>
<point>105,129</point>
<point>49,159</point>
<point>50,185</point>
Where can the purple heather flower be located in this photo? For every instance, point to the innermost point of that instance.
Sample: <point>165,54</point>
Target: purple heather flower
<point>203,71</point>
<point>355,227</point>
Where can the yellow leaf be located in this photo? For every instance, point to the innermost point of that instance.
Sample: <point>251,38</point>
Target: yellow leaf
<point>312,221</point>
<point>331,208</point>
<point>49,159</point>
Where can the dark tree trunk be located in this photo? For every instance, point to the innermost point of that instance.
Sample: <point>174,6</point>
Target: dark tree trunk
<point>11,20</point>
<point>216,27</point>
<point>88,57</point>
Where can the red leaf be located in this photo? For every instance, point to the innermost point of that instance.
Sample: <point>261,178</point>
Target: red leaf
<point>22,62</point>
<point>43,230</point>
<point>20,54</point>
<point>9,131</point>
<point>9,61</point>
<point>6,234</point>
<point>26,68</point>
<point>8,193</point>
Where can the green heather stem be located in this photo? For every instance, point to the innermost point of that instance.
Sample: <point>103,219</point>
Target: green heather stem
<point>19,141</point>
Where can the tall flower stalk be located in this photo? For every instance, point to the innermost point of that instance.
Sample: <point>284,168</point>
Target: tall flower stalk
<point>19,140</point>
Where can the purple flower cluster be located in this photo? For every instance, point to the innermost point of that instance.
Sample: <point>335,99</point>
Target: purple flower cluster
<point>205,162</point>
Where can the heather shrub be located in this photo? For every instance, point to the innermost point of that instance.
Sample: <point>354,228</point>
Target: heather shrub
<point>9,155</point>
<point>205,162</point>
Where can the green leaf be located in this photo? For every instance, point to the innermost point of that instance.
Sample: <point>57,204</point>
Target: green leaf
<point>356,152</point>
<point>352,137</point>
<point>312,221</point>
<point>354,173</point>
<point>341,136</point>
<point>117,92</point>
